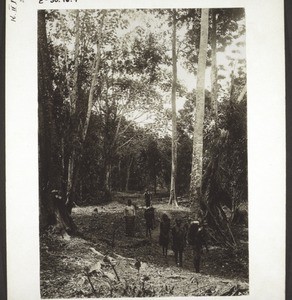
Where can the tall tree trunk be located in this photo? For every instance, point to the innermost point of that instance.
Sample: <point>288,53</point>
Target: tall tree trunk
<point>172,197</point>
<point>107,155</point>
<point>96,66</point>
<point>52,198</point>
<point>73,102</point>
<point>232,77</point>
<point>70,175</point>
<point>73,169</point>
<point>128,174</point>
<point>107,177</point>
<point>107,184</point>
<point>74,94</point>
<point>242,94</point>
<point>214,71</point>
<point>119,182</point>
<point>197,156</point>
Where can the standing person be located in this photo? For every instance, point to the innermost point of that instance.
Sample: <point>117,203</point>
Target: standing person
<point>147,196</point>
<point>164,233</point>
<point>149,218</point>
<point>129,215</point>
<point>197,240</point>
<point>178,240</point>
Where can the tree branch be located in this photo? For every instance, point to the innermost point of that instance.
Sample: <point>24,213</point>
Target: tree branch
<point>243,92</point>
<point>127,142</point>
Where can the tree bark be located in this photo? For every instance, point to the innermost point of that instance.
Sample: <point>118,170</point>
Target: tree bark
<point>107,153</point>
<point>155,185</point>
<point>74,95</point>
<point>73,101</point>
<point>232,77</point>
<point>172,197</point>
<point>197,156</point>
<point>73,168</point>
<point>128,174</point>
<point>214,71</point>
<point>108,176</point>
<point>119,182</point>
<point>52,199</point>
<point>94,77</point>
<point>242,94</point>
<point>107,184</point>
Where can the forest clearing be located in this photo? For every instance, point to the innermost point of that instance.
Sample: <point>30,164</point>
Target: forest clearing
<point>66,263</point>
<point>142,105</point>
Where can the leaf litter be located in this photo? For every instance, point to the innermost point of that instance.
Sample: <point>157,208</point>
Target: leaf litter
<point>96,263</point>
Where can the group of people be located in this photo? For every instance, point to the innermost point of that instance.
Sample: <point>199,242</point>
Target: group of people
<point>130,214</point>
<point>178,236</point>
<point>192,234</point>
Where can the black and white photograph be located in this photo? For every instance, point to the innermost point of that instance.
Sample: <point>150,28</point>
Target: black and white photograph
<point>145,149</point>
<point>142,152</point>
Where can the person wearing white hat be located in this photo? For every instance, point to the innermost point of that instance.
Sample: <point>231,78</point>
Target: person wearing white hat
<point>197,240</point>
<point>178,241</point>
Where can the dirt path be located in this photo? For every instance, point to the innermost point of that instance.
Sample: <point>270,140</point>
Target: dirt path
<point>64,262</point>
<point>97,227</point>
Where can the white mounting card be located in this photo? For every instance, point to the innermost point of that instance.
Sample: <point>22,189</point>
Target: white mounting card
<point>265,71</point>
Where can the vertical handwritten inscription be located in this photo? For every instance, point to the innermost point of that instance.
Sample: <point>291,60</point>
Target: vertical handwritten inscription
<point>13,10</point>
<point>12,7</point>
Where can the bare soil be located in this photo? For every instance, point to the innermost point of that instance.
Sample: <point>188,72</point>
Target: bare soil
<point>100,261</point>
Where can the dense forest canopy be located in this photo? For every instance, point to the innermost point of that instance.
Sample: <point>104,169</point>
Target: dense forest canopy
<point>106,85</point>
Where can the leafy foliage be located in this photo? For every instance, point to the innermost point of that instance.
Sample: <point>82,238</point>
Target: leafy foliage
<point>128,145</point>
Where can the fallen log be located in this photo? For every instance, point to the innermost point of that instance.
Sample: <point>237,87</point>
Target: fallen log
<point>96,252</point>
<point>123,257</point>
<point>177,277</point>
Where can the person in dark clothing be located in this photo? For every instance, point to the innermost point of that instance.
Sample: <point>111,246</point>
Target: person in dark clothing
<point>178,241</point>
<point>186,230</point>
<point>164,233</point>
<point>196,239</point>
<point>149,218</point>
<point>147,196</point>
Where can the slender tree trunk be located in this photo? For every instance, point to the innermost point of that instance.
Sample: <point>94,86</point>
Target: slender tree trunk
<point>70,175</point>
<point>73,101</point>
<point>107,155</point>
<point>73,168</point>
<point>80,190</point>
<point>107,185</point>
<point>52,198</point>
<point>74,95</point>
<point>172,197</point>
<point>94,77</point>
<point>232,77</point>
<point>109,175</point>
<point>197,156</point>
<point>214,71</point>
<point>64,171</point>
<point>119,175</point>
<point>242,94</point>
<point>128,174</point>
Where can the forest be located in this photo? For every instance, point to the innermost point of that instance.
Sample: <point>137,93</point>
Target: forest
<point>135,100</point>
